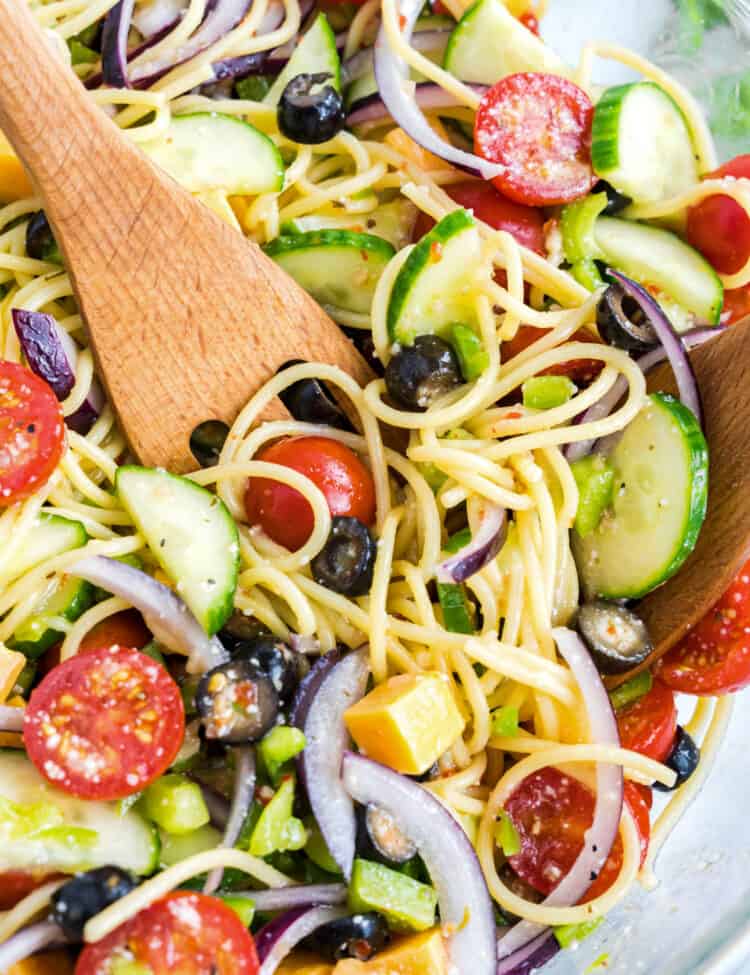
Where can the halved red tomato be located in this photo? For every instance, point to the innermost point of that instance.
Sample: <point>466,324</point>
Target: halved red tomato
<point>718,226</point>
<point>538,128</point>
<point>125,629</point>
<point>649,724</point>
<point>579,370</point>
<point>184,932</point>
<point>102,725</point>
<point>552,812</point>
<point>714,657</point>
<point>32,432</point>
<point>283,513</point>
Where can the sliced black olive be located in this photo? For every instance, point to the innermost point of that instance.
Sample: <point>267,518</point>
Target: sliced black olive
<point>683,759</point>
<point>309,401</point>
<point>207,441</point>
<point>87,894</point>
<point>40,241</point>
<point>615,201</point>
<point>362,339</point>
<point>359,936</point>
<point>240,628</point>
<point>346,561</point>
<point>310,111</point>
<point>273,659</point>
<point>388,841</point>
<point>617,639</point>
<point>418,374</point>
<point>622,323</point>
<point>237,704</point>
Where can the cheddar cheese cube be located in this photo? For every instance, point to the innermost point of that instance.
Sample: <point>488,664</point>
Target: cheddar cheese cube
<point>420,954</point>
<point>11,665</point>
<point>14,183</point>
<point>407,722</point>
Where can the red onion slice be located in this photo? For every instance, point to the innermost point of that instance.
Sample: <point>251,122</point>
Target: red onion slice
<point>244,791</point>
<point>166,615</point>
<point>372,108</point>
<point>392,76</point>
<point>308,688</point>
<point>11,719</point>
<point>224,17</point>
<point>28,941</point>
<point>327,740</point>
<point>602,833</point>
<point>687,384</point>
<point>115,44</point>
<point>89,411</point>
<point>153,18</point>
<point>286,898</point>
<point>450,859</point>
<point>530,959</point>
<point>277,939</point>
<point>306,645</point>
<point>482,549</point>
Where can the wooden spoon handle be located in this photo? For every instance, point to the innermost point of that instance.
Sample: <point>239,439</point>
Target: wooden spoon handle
<point>44,110</point>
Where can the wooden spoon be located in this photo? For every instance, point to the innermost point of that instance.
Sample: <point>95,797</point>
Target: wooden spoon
<point>722,367</point>
<point>187,318</point>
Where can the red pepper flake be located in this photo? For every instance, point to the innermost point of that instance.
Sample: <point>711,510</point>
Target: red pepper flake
<point>514,415</point>
<point>530,21</point>
<point>402,21</point>
<point>436,251</point>
<point>364,255</point>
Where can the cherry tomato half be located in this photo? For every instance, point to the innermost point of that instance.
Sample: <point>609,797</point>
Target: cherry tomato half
<point>125,629</point>
<point>718,226</point>
<point>714,657</point>
<point>32,432</point>
<point>648,725</point>
<point>183,932</point>
<point>530,21</point>
<point>104,724</point>
<point>552,812</point>
<point>283,513</point>
<point>538,126</point>
<point>579,370</point>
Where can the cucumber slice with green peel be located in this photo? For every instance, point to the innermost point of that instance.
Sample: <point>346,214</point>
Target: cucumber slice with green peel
<point>658,258</point>
<point>339,268</point>
<point>207,151</point>
<point>68,599</point>
<point>316,53</point>
<point>641,143</point>
<point>434,288</point>
<point>392,221</point>
<point>44,828</point>
<point>659,502</point>
<point>489,43</point>
<point>191,534</point>
<point>50,535</point>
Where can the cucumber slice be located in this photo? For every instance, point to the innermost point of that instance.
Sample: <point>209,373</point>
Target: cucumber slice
<point>44,829</point>
<point>489,43</point>
<point>315,54</point>
<point>192,535</point>
<point>434,289</point>
<point>206,151</point>
<point>393,222</point>
<point>641,143</point>
<point>51,535</point>
<point>659,258</point>
<point>659,503</point>
<point>68,598</point>
<point>338,268</point>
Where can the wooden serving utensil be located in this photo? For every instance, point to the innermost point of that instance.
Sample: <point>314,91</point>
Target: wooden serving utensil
<point>722,367</point>
<point>187,318</point>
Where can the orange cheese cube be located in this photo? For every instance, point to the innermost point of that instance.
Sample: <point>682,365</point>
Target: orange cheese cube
<point>300,963</point>
<point>11,665</point>
<point>398,139</point>
<point>14,183</point>
<point>48,963</point>
<point>420,954</point>
<point>407,722</point>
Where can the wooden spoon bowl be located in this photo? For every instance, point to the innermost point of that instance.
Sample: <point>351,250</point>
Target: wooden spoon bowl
<point>187,318</point>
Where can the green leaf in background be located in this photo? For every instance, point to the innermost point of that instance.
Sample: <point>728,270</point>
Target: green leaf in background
<point>696,17</point>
